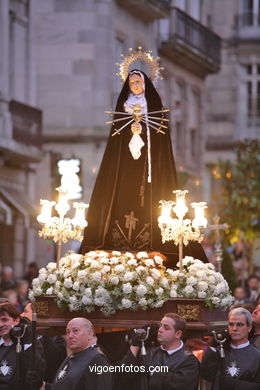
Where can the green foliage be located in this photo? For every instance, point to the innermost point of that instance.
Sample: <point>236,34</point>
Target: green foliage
<point>240,181</point>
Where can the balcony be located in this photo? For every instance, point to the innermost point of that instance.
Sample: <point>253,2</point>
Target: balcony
<point>190,44</point>
<point>22,143</point>
<point>147,10</point>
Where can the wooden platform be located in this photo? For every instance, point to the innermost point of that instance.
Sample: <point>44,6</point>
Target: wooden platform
<point>199,318</point>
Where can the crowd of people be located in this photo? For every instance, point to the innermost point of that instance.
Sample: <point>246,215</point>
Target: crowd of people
<point>230,361</point>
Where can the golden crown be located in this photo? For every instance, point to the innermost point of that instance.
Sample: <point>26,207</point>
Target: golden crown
<point>135,55</point>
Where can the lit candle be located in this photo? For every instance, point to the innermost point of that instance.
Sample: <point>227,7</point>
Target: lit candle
<point>45,216</point>
<point>62,206</point>
<point>199,221</point>
<point>165,218</point>
<point>180,209</point>
<point>79,219</point>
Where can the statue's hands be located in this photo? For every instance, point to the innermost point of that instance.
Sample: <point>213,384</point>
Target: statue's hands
<point>136,128</point>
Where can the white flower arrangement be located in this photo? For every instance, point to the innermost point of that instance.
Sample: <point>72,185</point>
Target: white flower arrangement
<point>116,281</point>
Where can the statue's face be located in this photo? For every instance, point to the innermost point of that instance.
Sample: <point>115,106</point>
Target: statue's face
<point>136,84</point>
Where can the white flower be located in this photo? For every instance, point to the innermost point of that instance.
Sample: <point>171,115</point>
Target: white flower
<point>119,268</point>
<point>37,291</point>
<point>75,264</point>
<point>129,254</point>
<point>189,290</point>
<point>105,269</point>
<point>49,291</point>
<point>51,267</point>
<point>191,280</point>
<point>42,277</point>
<point>94,264</point>
<point>164,282</point>
<point>127,288</point>
<point>102,254</point>
<point>35,283</point>
<point>155,273</point>
<point>132,262</point>
<point>126,303</point>
<point>75,257</point>
<point>113,260</point>
<point>52,278</point>
<point>92,254</point>
<point>76,286</point>
<point>68,283</point>
<point>99,301</point>
<point>86,300</point>
<point>128,276</point>
<point>96,276</point>
<point>200,274</point>
<point>88,292</point>
<point>142,302</point>
<point>220,287</point>
<point>202,294</point>
<point>82,274</point>
<point>174,274</point>
<point>211,279</point>
<point>203,286</point>
<point>141,255</point>
<point>140,269</point>
<point>141,290</point>
<point>215,300</point>
<point>103,260</point>
<point>67,273</point>
<point>149,263</point>
<point>159,303</point>
<point>149,280</point>
<point>173,293</point>
<point>116,253</point>
<point>114,280</point>
<point>158,260</point>
<point>159,291</point>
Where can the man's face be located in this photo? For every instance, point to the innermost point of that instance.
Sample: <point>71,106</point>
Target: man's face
<point>167,335</point>
<point>6,323</point>
<point>78,335</point>
<point>136,84</point>
<point>256,315</point>
<point>240,293</point>
<point>253,284</point>
<point>238,328</point>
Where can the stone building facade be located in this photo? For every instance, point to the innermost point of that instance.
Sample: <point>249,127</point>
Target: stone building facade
<point>233,94</point>
<point>20,135</point>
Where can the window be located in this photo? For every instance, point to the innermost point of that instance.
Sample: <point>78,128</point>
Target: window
<point>253,93</point>
<point>250,12</point>
<point>193,143</point>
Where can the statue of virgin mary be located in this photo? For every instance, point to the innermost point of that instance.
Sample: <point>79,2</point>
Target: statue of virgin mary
<point>137,171</point>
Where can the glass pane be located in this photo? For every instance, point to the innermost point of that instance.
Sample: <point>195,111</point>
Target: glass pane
<point>249,98</point>
<point>249,69</point>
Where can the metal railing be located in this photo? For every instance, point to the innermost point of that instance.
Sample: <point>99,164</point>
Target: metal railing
<point>248,19</point>
<point>160,3</point>
<point>27,123</point>
<point>184,28</point>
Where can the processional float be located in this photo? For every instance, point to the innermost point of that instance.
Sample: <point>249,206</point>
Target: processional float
<point>126,232</point>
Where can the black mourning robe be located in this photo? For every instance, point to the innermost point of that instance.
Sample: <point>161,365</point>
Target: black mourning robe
<point>240,369</point>
<point>122,189</point>
<point>183,371</point>
<point>80,372</point>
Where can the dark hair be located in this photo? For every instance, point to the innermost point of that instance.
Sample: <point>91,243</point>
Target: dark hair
<point>253,276</point>
<point>9,309</point>
<point>180,323</point>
